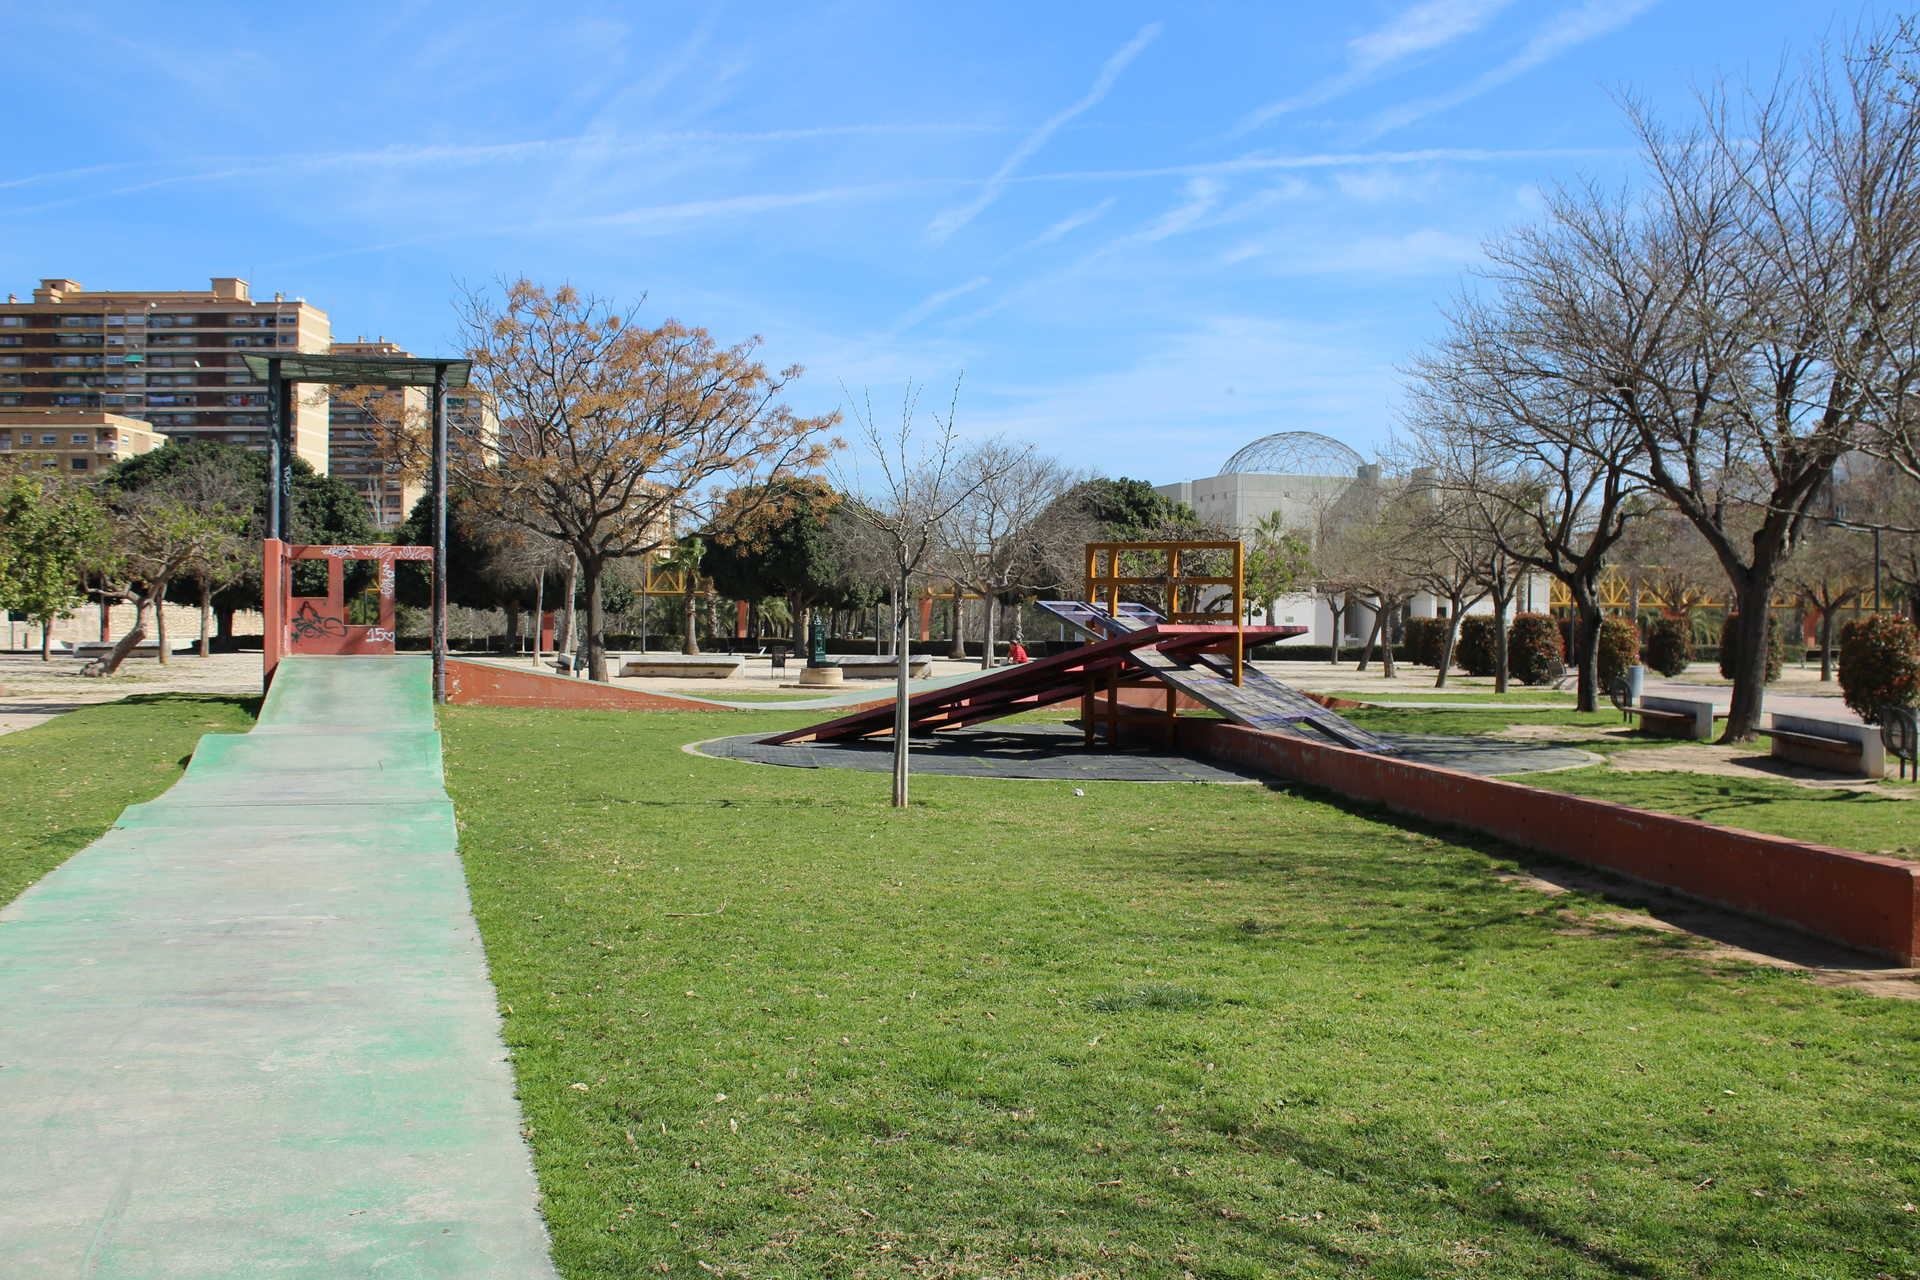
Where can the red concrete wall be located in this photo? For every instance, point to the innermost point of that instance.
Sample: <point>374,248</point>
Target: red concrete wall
<point>481,684</point>
<point>1859,899</point>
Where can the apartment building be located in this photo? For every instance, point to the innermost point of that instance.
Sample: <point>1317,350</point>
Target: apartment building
<point>170,359</point>
<point>361,427</point>
<point>72,441</point>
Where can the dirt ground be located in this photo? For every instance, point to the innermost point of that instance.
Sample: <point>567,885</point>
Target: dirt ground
<point>33,692</point>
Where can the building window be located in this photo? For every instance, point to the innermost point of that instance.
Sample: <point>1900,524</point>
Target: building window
<point>81,437</point>
<point>77,464</point>
<point>49,439</point>
<point>13,322</point>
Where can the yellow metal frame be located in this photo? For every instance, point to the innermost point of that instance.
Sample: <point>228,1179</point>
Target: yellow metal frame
<point>1105,578</point>
<point>1614,591</point>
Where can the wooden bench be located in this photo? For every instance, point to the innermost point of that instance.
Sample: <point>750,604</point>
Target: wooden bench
<point>1687,718</point>
<point>1838,746</point>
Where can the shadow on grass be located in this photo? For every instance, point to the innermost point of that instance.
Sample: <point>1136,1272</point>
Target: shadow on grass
<point>1714,924</point>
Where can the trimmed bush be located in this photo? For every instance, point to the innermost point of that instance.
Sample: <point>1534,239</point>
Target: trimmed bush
<point>1474,651</point>
<point>1879,664</point>
<point>1619,649</point>
<point>1730,647</point>
<point>1534,652</point>
<point>1670,646</point>
<point>1426,638</point>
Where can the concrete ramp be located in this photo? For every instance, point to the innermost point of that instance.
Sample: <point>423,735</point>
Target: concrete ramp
<point>249,1031</point>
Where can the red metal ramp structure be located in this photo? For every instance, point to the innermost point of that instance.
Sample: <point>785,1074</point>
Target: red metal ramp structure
<point>1256,700</point>
<point>1177,657</point>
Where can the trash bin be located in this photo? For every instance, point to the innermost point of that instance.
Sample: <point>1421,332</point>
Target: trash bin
<point>778,653</point>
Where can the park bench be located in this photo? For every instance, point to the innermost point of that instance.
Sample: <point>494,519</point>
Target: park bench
<point>88,649</point>
<point>1675,717</point>
<point>686,666</point>
<point>1838,746</point>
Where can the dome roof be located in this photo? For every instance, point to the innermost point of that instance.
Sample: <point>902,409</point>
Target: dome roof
<point>1295,453</point>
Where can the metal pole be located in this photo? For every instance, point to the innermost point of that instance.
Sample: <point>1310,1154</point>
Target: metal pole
<point>440,534</point>
<point>276,415</point>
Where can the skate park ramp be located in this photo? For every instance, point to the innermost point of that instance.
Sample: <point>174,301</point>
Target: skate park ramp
<point>249,1031</point>
<point>1258,701</point>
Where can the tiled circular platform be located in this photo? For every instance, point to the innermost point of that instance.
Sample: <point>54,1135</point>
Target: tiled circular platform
<point>1053,751</point>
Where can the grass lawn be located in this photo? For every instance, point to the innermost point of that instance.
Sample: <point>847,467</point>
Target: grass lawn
<point>1453,694</point>
<point>766,1027</point>
<point>1844,819</point>
<point>1473,720</point>
<point>64,782</point>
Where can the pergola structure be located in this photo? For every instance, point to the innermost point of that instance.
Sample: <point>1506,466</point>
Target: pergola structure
<point>282,373</point>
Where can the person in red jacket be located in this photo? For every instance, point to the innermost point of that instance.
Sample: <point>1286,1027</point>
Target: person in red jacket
<point>1016,653</point>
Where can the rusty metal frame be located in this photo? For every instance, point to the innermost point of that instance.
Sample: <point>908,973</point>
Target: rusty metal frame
<point>1104,580</point>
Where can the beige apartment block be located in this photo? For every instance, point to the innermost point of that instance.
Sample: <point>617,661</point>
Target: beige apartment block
<point>169,358</point>
<point>77,442</point>
<point>358,425</point>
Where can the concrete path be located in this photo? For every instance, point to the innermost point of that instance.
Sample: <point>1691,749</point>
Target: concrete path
<point>249,1032</point>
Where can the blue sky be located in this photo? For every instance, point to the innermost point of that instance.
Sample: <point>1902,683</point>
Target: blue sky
<point>1147,234</point>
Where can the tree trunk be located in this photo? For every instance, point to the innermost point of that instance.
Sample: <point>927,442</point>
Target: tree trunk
<point>989,609</point>
<point>690,642</point>
<point>1750,663</point>
<point>1585,632</point>
<point>512,610</point>
<point>1826,644</point>
<point>206,617</point>
<point>1366,653</point>
<point>160,625</point>
<point>569,614</point>
<point>223,624</point>
<point>893,631</point>
<point>1385,632</point>
<point>595,634</point>
<point>539,611</point>
<point>1446,650</point>
<point>128,642</point>
<point>1502,656</point>
<point>1339,625</point>
<point>903,639</point>
<point>957,644</point>
<point>46,639</point>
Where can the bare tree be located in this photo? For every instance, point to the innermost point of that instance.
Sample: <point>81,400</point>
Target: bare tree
<point>913,485</point>
<point>1538,471</point>
<point>1748,320</point>
<point>1006,536</point>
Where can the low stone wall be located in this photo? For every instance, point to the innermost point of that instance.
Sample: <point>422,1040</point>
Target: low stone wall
<point>481,684</point>
<point>1861,900</point>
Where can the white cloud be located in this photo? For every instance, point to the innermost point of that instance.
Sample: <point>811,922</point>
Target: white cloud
<point>951,220</point>
<point>1202,196</point>
<point>1070,224</point>
<point>927,306</point>
<point>1421,29</point>
<point>1571,27</point>
<point>1424,252</point>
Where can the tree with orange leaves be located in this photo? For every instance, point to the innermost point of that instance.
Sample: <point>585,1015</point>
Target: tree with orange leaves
<point>613,435</point>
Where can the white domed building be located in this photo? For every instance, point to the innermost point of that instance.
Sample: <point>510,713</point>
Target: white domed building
<point>1310,480</point>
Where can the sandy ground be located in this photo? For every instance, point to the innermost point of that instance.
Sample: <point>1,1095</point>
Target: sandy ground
<point>33,692</point>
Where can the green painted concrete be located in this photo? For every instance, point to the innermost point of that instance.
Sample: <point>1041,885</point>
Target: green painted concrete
<point>249,1031</point>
